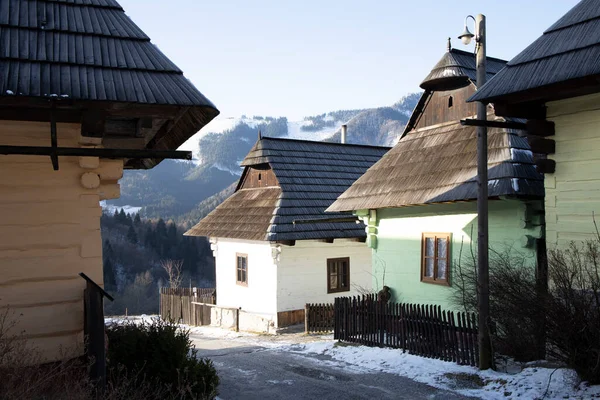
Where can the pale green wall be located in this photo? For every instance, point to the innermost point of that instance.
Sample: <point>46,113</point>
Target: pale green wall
<point>399,231</point>
<point>573,191</point>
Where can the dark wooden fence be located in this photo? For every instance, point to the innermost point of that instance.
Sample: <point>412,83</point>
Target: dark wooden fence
<point>176,304</point>
<point>422,330</point>
<point>318,318</point>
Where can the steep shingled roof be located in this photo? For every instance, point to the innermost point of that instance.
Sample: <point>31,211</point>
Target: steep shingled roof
<point>89,50</point>
<point>311,176</point>
<point>458,68</point>
<point>439,164</point>
<point>567,51</point>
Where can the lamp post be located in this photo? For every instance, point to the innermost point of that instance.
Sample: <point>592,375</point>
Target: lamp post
<point>483,279</point>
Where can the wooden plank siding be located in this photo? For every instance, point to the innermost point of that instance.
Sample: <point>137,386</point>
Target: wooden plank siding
<point>573,190</point>
<point>49,233</point>
<point>437,110</point>
<point>258,177</point>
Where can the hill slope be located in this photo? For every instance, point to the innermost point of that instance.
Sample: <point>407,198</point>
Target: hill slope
<point>183,191</point>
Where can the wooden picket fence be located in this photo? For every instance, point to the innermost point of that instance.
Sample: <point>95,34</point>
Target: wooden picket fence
<point>318,318</point>
<point>423,330</point>
<point>176,304</point>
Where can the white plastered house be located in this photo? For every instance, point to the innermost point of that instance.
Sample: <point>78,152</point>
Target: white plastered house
<point>275,247</point>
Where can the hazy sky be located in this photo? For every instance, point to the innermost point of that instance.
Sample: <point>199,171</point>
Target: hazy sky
<point>305,57</point>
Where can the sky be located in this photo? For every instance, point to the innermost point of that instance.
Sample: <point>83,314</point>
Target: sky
<point>307,57</point>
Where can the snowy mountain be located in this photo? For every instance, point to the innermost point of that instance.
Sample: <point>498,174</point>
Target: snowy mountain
<point>177,190</point>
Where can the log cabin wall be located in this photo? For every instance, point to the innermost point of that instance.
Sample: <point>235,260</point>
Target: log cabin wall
<point>49,233</point>
<point>259,176</point>
<point>450,105</point>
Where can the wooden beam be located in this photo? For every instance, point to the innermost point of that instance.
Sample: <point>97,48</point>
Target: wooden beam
<point>121,127</point>
<point>540,127</point>
<point>38,115</point>
<point>527,111</point>
<point>123,142</point>
<point>53,140</point>
<point>493,124</point>
<point>95,152</point>
<point>546,166</point>
<point>93,123</point>
<point>286,242</point>
<point>541,146</point>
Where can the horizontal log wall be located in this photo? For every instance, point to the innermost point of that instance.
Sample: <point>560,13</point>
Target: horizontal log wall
<point>49,233</point>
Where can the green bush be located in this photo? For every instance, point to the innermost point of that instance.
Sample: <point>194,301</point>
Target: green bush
<point>160,351</point>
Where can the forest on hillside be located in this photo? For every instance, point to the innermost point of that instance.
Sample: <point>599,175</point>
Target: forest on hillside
<point>136,254</point>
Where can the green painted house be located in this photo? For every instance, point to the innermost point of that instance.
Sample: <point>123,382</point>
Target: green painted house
<point>556,80</point>
<point>419,201</point>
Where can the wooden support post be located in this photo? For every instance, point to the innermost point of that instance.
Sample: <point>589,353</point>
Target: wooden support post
<point>237,319</point>
<point>306,318</point>
<point>53,139</point>
<point>94,315</point>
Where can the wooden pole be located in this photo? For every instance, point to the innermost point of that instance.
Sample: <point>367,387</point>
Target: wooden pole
<point>485,348</point>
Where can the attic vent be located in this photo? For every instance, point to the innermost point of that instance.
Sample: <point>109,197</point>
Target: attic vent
<point>450,102</point>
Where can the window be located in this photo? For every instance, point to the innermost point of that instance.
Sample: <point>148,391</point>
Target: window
<point>338,275</point>
<point>242,269</point>
<point>450,102</point>
<point>435,260</point>
<point>259,176</point>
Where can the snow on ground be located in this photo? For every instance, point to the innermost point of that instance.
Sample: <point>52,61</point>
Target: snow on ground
<point>531,383</point>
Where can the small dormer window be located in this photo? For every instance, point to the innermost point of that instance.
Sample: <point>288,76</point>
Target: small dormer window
<point>450,102</point>
<point>259,176</point>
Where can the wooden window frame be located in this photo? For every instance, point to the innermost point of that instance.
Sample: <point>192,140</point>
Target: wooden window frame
<point>435,280</point>
<point>237,269</point>
<point>339,289</point>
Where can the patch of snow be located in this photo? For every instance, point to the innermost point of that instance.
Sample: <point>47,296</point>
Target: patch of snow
<point>283,382</point>
<point>532,382</point>
<point>515,184</point>
<point>127,209</point>
<point>295,131</point>
<point>232,171</point>
<point>218,125</point>
<point>10,92</point>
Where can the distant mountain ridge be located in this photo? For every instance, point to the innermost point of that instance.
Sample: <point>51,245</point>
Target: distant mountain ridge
<point>183,191</point>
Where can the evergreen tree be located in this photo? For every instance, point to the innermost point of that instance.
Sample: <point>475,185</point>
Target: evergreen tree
<point>161,229</point>
<point>137,220</point>
<point>129,220</point>
<point>122,218</point>
<point>131,235</point>
<point>110,282</point>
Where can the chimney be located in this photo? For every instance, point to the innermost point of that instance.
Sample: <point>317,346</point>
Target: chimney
<point>344,131</point>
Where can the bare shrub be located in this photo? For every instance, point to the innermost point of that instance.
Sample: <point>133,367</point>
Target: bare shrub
<point>514,305</point>
<point>573,307</point>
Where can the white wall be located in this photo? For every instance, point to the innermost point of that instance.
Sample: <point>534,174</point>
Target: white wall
<point>260,295</point>
<point>302,272</point>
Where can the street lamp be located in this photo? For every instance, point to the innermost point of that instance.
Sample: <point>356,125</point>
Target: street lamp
<point>466,36</point>
<point>483,278</point>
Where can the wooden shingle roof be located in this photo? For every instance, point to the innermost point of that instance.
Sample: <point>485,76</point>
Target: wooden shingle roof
<point>566,53</point>
<point>457,68</point>
<point>311,176</point>
<point>439,164</point>
<point>91,51</point>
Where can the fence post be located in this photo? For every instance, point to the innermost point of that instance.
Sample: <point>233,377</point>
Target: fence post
<point>306,308</point>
